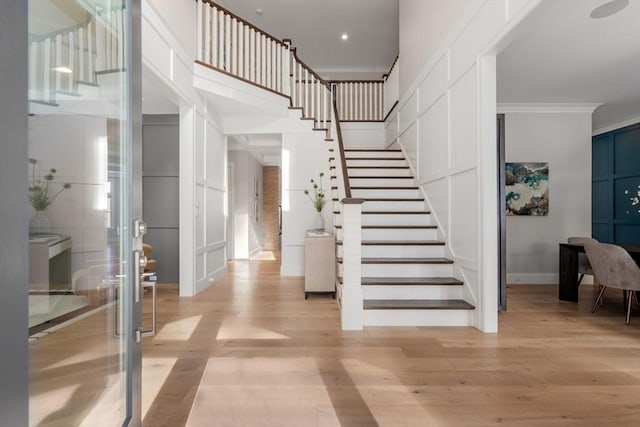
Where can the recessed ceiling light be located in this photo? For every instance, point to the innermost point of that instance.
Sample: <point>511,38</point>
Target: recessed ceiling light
<point>259,11</point>
<point>64,70</point>
<point>344,36</point>
<point>609,8</point>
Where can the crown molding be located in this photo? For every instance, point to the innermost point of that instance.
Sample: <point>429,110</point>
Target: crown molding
<point>608,128</point>
<point>509,107</point>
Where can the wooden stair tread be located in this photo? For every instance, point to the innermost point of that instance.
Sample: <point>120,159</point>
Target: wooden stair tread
<point>374,158</point>
<point>396,227</point>
<point>394,199</point>
<point>443,304</point>
<point>396,213</point>
<point>377,167</point>
<point>385,188</point>
<point>399,242</point>
<point>446,281</point>
<point>437,260</point>
<point>365,150</point>
<point>382,177</point>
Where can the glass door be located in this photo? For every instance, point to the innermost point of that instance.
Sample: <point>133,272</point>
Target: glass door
<point>85,245</point>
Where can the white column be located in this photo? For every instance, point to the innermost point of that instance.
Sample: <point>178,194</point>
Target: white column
<point>352,314</point>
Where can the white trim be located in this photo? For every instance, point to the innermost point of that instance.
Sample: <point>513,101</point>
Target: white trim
<point>510,107</point>
<point>632,121</point>
<point>380,70</point>
<point>255,251</point>
<point>540,279</point>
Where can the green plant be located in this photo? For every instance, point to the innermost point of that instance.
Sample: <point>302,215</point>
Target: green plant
<point>39,189</point>
<point>318,194</point>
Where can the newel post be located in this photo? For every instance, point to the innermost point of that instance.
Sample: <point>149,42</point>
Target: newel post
<point>352,299</point>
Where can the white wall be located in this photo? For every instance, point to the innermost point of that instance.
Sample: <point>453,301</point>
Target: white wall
<point>563,140</point>
<point>363,135</point>
<point>304,155</point>
<point>76,146</point>
<point>247,233</point>
<point>180,17</point>
<point>203,149</point>
<point>423,25</point>
<point>446,126</point>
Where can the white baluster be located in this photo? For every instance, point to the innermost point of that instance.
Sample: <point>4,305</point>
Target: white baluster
<point>114,39</point>
<point>268,62</point>
<point>306,92</point>
<point>58,61</point>
<point>227,43</point>
<point>279,68</point>
<point>252,55</point>
<point>90,53</point>
<point>120,39</point>
<point>33,67</point>
<point>81,56</point>
<point>300,87</point>
<point>46,68</point>
<point>234,46</point>
<point>324,107</point>
<point>214,36</point>
<point>72,63</point>
<point>247,52</point>
<point>221,38</point>
<point>375,102</point>
<point>240,49</point>
<point>199,7</point>
<point>312,105</point>
<point>263,60</point>
<point>207,33</point>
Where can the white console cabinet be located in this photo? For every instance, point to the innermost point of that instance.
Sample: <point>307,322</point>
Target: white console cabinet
<point>319,264</point>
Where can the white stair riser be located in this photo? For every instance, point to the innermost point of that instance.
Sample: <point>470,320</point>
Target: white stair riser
<point>386,251</point>
<point>376,162</point>
<point>386,193</point>
<point>378,172</point>
<point>399,219</point>
<point>395,234</point>
<point>412,292</point>
<point>380,182</point>
<point>389,154</point>
<point>391,206</point>
<point>404,270</point>
<point>418,317</point>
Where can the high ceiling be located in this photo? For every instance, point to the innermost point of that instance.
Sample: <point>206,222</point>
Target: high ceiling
<point>315,27</point>
<point>562,55</point>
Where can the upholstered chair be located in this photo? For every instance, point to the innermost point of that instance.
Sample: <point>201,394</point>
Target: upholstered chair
<point>614,268</point>
<point>584,267</point>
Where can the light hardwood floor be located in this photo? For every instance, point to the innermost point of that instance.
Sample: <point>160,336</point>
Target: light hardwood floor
<point>250,351</point>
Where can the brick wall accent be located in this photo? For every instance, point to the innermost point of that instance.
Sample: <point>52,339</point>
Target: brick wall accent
<point>271,202</point>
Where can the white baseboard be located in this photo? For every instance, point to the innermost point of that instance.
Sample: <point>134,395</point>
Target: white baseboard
<point>539,279</point>
<point>211,279</point>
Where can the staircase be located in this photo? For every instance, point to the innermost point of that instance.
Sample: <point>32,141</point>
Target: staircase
<point>407,278</point>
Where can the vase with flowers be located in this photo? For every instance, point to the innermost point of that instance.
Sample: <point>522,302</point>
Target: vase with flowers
<point>316,195</point>
<point>41,196</point>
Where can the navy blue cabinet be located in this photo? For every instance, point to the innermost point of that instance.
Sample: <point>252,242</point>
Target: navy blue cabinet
<point>615,183</point>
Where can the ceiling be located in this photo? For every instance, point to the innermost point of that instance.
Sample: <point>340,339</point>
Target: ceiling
<point>315,28</point>
<point>562,55</point>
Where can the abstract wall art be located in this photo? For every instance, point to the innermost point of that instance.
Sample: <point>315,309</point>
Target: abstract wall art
<point>527,188</point>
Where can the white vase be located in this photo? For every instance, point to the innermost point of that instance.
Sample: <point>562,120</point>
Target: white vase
<point>319,225</point>
<point>39,223</point>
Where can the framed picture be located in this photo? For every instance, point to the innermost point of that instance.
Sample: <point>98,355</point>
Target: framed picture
<point>527,188</point>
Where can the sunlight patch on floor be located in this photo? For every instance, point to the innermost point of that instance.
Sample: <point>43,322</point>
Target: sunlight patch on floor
<point>154,374</point>
<point>262,391</point>
<point>235,332</point>
<point>264,256</point>
<point>179,330</point>
<point>40,405</point>
<point>388,399</point>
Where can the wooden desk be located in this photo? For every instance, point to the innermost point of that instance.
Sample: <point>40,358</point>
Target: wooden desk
<point>568,268</point>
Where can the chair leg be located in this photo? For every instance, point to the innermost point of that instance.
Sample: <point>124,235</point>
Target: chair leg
<point>598,299</point>
<point>580,278</point>
<point>630,298</point>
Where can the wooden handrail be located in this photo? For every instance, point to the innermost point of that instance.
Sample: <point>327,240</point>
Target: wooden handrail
<point>294,51</point>
<point>247,23</point>
<point>343,162</point>
<point>386,75</point>
<point>356,81</point>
